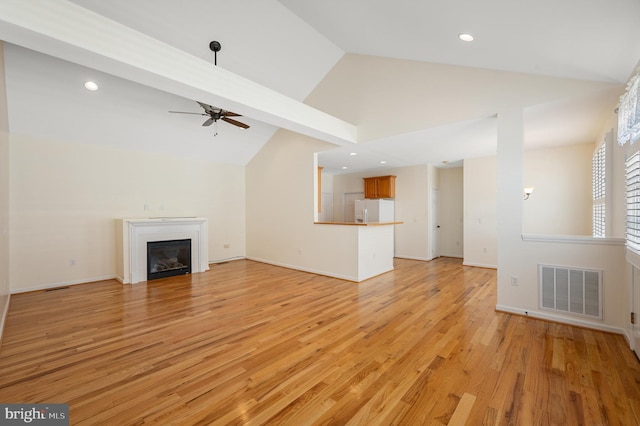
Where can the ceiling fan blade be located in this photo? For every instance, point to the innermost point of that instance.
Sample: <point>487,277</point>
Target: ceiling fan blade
<point>235,122</point>
<point>209,122</point>
<point>183,112</point>
<point>230,114</point>
<point>207,108</point>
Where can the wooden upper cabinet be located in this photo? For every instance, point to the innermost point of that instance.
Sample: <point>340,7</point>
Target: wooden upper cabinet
<point>370,187</point>
<point>380,187</point>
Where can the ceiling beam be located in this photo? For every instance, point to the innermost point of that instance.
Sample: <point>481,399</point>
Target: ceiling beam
<point>65,30</point>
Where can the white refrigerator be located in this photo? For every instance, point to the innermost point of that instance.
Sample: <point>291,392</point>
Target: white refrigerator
<point>374,211</point>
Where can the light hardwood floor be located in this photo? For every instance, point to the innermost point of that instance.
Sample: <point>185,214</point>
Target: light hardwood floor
<point>249,343</point>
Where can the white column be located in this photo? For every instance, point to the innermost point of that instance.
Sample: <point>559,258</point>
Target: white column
<point>510,198</point>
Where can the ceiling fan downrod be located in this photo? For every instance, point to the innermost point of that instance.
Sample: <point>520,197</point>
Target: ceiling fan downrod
<point>215,46</point>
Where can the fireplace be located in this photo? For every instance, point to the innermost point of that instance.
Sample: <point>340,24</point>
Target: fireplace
<point>168,258</point>
<point>132,236</point>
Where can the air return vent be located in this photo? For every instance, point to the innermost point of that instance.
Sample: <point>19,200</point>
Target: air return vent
<point>570,290</point>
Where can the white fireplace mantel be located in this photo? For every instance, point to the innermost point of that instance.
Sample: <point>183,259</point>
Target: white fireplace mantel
<point>132,236</point>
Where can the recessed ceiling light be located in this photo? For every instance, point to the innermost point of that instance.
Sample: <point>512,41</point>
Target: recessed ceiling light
<point>353,153</point>
<point>90,85</point>
<point>383,162</point>
<point>465,37</point>
<point>344,167</point>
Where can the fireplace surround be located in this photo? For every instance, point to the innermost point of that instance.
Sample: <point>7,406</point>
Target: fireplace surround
<point>132,236</point>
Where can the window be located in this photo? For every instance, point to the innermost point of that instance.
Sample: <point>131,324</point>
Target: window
<point>629,112</point>
<point>632,173</point>
<point>599,170</point>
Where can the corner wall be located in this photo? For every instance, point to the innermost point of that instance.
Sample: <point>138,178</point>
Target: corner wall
<point>281,207</point>
<point>480,212</point>
<point>65,197</point>
<point>561,203</point>
<point>519,257</point>
<point>4,198</point>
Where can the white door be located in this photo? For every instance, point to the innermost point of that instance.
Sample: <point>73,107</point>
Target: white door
<point>349,205</point>
<point>435,225</point>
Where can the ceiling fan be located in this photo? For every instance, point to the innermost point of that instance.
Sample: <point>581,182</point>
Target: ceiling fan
<point>216,114</point>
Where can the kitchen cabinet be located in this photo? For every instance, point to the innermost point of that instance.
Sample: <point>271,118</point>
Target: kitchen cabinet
<point>380,187</point>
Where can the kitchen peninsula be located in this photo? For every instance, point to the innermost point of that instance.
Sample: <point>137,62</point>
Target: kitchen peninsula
<point>373,242</point>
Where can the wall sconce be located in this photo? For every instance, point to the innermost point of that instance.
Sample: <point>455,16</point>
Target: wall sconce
<point>527,192</point>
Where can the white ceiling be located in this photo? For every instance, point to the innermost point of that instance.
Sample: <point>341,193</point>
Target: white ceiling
<point>571,39</point>
<point>302,48</point>
<point>583,39</point>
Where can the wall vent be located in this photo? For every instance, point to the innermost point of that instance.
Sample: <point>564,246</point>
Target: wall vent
<point>571,290</point>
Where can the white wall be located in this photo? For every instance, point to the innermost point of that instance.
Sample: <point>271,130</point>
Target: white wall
<point>344,184</point>
<point>281,201</point>
<point>519,259</point>
<point>4,197</point>
<point>561,203</point>
<point>360,89</point>
<point>65,197</point>
<point>451,212</point>
<point>607,257</point>
<point>326,214</point>
<point>480,212</point>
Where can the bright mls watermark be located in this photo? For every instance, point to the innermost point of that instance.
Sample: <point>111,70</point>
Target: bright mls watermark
<point>34,414</point>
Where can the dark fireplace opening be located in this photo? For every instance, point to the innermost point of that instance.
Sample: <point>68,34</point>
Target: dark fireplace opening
<point>168,258</point>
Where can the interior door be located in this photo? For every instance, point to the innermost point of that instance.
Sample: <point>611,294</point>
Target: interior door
<point>435,225</point>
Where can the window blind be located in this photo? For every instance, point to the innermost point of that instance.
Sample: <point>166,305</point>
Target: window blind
<point>632,172</point>
<point>599,191</point>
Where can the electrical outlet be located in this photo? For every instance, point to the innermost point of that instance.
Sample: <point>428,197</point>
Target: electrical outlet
<point>227,245</point>
<point>514,281</point>
<point>72,262</point>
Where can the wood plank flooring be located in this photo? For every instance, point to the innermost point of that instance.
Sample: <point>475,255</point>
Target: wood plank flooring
<point>253,344</point>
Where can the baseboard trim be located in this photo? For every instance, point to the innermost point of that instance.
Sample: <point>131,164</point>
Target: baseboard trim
<point>64,284</point>
<point>628,337</point>
<point>298,268</point>
<point>424,259</point>
<point>228,259</point>
<point>560,319</point>
<point>452,256</point>
<point>479,265</point>
<point>3,317</point>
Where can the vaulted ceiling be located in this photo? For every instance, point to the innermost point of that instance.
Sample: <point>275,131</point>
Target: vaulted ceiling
<point>396,70</point>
